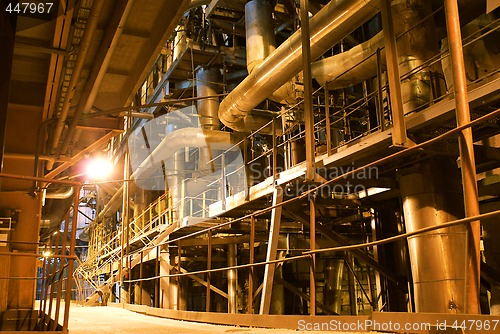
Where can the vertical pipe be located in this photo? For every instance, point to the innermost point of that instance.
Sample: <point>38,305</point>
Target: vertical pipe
<point>259,32</point>
<point>178,278</point>
<point>72,245</point>
<point>467,159</point>
<point>334,270</point>
<point>125,247</point>
<point>209,266</point>
<point>232,279</point>
<point>431,195</point>
<point>308,103</point>
<point>252,259</point>
<point>61,273</point>
<point>7,36</point>
<point>391,54</point>
<point>275,151</point>
<point>141,275</point>
<point>352,285</point>
<point>328,121</point>
<point>380,100</point>
<point>312,267</point>
<point>53,286</point>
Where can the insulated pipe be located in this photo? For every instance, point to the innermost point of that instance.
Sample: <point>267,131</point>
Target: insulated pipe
<point>332,293</point>
<point>260,41</point>
<point>180,139</point>
<point>431,194</point>
<point>84,47</point>
<point>360,62</point>
<point>334,21</point>
<point>207,84</point>
<point>232,279</point>
<point>60,193</point>
<point>350,67</point>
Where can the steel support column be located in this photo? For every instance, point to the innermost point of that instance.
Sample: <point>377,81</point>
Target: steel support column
<point>312,266</point>
<point>251,270</point>
<point>308,103</point>
<point>71,260</point>
<point>272,248</point>
<point>7,36</point>
<point>399,137</point>
<point>467,161</point>
<point>125,229</point>
<point>209,267</point>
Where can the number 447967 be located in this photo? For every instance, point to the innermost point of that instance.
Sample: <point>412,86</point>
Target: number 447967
<point>29,7</point>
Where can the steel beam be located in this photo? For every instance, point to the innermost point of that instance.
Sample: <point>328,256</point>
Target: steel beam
<point>399,137</point>
<point>467,159</point>
<point>272,248</point>
<point>308,103</point>
<point>7,37</point>
<point>343,241</point>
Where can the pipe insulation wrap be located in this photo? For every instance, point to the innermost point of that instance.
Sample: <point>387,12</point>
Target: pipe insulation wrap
<point>332,23</point>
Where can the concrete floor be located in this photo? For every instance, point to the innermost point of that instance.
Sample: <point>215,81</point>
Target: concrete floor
<point>111,320</point>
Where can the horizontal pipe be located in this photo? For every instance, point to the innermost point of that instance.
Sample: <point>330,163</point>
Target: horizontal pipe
<point>180,139</point>
<point>350,67</point>
<point>336,20</point>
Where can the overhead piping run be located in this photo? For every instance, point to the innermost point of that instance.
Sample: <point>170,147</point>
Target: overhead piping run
<point>333,22</point>
<point>360,62</point>
<point>99,68</point>
<point>87,38</point>
<point>350,67</point>
<point>180,139</point>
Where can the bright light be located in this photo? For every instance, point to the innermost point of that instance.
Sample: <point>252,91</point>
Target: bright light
<point>98,169</point>
<point>46,253</point>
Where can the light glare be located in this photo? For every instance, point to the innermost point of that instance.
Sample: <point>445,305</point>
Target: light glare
<point>99,169</point>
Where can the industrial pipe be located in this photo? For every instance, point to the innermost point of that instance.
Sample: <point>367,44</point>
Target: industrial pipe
<point>350,67</point>
<point>432,195</point>
<point>334,21</point>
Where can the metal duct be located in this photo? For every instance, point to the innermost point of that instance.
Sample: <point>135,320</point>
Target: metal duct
<point>180,139</point>
<point>360,63</point>
<point>334,21</point>
<point>260,41</point>
<point>207,84</point>
<point>350,67</point>
<point>431,194</point>
<point>332,293</point>
<point>61,193</point>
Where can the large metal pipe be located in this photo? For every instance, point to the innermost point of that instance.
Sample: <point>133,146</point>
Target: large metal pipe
<point>180,139</point>
<point>261,42</point>
<point>432,195</point>
<point>332,293</point>
<point>207,84</point>
<point>350,67</point>
<point>334,21</point>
